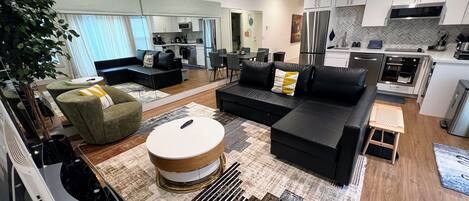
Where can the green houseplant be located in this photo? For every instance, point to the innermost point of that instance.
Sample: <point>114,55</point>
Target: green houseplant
<point>32,37</point>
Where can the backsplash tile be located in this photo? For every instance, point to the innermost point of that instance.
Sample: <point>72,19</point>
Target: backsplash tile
<point>398,33</point>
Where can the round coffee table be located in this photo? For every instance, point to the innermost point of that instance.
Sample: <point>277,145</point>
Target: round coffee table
<point>87,81</point>
<point>187,159</point>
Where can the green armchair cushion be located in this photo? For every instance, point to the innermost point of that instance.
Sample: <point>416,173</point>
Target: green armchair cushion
<point>98,126</point>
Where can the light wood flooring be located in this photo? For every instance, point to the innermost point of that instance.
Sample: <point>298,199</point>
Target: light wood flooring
<point>413,177</point>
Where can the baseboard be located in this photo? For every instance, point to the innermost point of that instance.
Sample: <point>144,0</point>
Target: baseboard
<point>182,95</point>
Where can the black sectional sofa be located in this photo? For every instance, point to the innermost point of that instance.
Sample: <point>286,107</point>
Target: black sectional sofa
<point>166,70</point>
<point>321,128</point>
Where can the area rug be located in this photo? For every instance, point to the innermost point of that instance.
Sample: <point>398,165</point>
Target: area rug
<point>453,166</point>
<point>142,93</point>
<point>132,174</point>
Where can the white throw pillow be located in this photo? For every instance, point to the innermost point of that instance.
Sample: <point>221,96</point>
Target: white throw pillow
<point>285,82</point>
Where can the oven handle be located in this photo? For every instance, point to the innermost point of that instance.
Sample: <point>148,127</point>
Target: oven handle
<point>394,64</point>
<point>365,59</point>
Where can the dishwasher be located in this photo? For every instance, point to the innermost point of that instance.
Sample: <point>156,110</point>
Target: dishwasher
<point>370,61</point>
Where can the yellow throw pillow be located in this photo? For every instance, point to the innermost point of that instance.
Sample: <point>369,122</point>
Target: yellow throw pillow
<point>98,91</point>
<point>285,82</point>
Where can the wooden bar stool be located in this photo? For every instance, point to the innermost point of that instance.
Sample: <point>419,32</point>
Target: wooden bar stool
<point>386,118</point>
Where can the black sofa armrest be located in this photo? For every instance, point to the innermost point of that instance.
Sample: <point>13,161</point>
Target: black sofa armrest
<point>99,65</point>
<point>353,135</point>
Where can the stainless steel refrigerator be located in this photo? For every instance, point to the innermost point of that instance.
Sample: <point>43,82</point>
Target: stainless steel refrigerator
<point>457,117</point>
<point>314,37</point>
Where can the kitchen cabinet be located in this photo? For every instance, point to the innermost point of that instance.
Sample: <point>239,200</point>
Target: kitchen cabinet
<point>455,12</point>
<point>376,13</point>
<point>200,55</point>
<point>317,4</point>
<point>337,59</point>
<point>196,24</point>
<point>408,2</point>
<point>164,24</point>
<point>343,3</point>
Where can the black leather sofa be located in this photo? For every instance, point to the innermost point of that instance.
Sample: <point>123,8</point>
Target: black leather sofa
<point>166,70</point>
<point>321,128</point>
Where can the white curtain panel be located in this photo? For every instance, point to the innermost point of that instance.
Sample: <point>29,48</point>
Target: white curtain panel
<point>101,38</point>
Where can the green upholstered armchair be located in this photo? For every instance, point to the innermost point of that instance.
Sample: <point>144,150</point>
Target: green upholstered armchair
<point>98,126</point>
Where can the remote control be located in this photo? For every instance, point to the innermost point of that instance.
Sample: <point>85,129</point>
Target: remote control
<point>187,124</point>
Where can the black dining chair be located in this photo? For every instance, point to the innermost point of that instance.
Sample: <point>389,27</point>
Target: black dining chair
<point>279,56</point>
<point>246,50</point>
<point>261,56</point>
<point>216,62</point>
<point>232,64</point>
<point>222,51</point>
<point>266,50</point>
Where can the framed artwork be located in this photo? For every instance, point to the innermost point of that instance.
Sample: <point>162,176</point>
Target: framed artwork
<point>296,26</point>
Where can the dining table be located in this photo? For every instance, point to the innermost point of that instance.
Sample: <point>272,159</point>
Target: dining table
<point>246,56</point>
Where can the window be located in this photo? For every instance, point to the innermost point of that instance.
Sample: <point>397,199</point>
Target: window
<point>140,32</point>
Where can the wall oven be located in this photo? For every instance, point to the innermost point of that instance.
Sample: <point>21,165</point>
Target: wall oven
<point>400,69</point>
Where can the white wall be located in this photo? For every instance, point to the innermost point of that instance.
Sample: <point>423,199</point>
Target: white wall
<point>254,41</point>
<point>277,16</point>
<point>276,22</point>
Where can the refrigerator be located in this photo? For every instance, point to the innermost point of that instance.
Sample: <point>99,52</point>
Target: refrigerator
<point>210,39</point>
<point>314,37</point>
<point>457,117</point>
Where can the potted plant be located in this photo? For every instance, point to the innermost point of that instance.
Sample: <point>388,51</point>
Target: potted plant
<point>31,41</point>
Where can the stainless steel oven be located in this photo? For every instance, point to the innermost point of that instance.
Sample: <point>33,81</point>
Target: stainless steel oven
<point>400,69</point>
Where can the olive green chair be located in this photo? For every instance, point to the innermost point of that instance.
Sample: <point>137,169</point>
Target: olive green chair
<point>98,126</point>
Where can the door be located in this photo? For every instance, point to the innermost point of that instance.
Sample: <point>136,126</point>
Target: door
<point>372,62</point>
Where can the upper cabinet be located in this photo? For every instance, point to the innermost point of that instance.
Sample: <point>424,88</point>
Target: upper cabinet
<point>309,4</point>
<point>164,24</point>
<point>343,3</point>
<point>455,12</point>
<point>408,2</point>
<point>376,13</point>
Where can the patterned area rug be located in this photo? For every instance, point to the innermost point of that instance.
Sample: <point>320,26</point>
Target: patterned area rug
<point>141,93</point>
<point>133,175</point>
<point>453,166</point>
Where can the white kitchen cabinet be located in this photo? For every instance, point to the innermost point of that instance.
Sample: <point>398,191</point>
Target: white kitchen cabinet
<point>196,25</point>
<point>395,88</point>
<point>376,13</point>
<point>337,59</point>
<point>164,24</point>
<point>455,12</point>
<point>317,4</point>
<point>200,55</point>
<point>343,3</point>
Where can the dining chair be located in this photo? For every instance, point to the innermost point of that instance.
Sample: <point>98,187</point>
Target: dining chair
<point>261,56</point>
<point>222,51</point>
<point>246,50</point>
<point>279,56</point>
<point>216,62</point>
<point>233,64</point>
<point>266,50</point>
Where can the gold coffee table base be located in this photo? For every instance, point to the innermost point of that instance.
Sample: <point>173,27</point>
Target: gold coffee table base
<point>178,187</point>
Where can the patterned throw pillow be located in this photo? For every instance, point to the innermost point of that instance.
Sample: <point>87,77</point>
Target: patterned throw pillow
<point>285,82</point>
<point>98,91</point>
<point>148,60</point>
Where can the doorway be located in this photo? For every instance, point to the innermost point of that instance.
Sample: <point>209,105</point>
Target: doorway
<point>236,31</point>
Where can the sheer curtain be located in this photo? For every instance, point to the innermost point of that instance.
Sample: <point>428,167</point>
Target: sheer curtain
<point>101,38</point>
<point>141,32</point>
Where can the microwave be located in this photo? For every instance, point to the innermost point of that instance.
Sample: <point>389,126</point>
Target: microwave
<point>416,11</point>
<point>185,25</point>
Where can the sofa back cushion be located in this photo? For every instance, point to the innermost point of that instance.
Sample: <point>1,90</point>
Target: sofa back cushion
<point>346,84</point>
<point>114,63</point>
<point>256,74</point>
<point>165,61</point>
<point>140,55</point>
<point>304,77</point>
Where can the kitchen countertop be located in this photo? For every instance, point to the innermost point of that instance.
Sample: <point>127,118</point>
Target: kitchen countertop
<point>182,44</point>
<point>437,56</point>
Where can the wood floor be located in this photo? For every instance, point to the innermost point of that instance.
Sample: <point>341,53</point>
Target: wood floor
<point>413,177</point>
<point>197,78</point>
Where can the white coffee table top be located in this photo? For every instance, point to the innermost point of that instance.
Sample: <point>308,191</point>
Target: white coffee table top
<point>86,80</point>
<point>170,142</point>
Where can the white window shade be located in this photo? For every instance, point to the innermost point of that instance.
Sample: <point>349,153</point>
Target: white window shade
<point>114,7</point>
